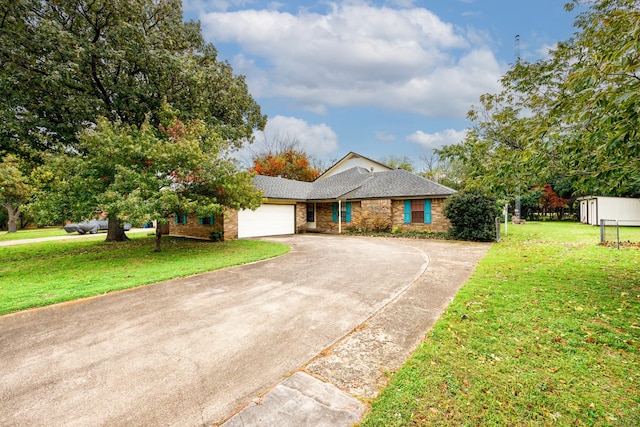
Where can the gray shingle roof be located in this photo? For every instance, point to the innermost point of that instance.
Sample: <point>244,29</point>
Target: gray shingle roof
<point>353,184</point>
<point>398,183</point>
<point>336,186</point>
<point>282,188</point>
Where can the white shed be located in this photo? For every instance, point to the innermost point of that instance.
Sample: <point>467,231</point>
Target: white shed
<point>595,208</point>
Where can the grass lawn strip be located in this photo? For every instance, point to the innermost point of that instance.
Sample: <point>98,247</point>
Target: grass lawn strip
<point>46,273</point>
<point>32,233</point>
<point>546,332</point>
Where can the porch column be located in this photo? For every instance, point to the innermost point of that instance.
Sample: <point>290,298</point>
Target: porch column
<point>339,216</point>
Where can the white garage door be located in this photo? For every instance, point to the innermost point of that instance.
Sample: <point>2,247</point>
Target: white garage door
<point>267,220</point>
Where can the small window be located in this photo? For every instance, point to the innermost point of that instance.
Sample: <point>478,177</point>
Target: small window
<point>311,212</point>
<point>417,211</point>
<point>345,212</point>
<point>207,220</point>
<point>181,218</point>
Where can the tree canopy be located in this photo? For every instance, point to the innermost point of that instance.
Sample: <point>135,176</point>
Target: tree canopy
<point>65,63</point>
<point>572,116</point>
<point>146,173</point>
<point>283,156</point>
<point>70,69</point>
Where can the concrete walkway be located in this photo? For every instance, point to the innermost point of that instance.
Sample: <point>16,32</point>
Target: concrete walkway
<point>288,341</point>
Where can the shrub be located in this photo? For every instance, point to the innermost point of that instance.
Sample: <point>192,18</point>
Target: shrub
<point>472,216</point>
<point>217,236</point>
<point>371,220</point>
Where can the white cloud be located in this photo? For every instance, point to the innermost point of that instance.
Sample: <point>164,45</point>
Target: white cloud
<point>357,54</point>
<point>385,137</point>
<point>438,139</point>
<point>546,49</point>
<point>317,140</point>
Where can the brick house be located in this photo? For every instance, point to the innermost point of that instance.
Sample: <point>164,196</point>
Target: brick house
<point>353,186</point>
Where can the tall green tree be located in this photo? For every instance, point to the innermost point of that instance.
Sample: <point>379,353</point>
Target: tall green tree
<point>64,63</point>
<point>572,116</point>
<point>398,162</point>
<point>15,190</point>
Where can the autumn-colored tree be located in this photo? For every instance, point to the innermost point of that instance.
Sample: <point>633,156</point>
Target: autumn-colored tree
<point>290,164</point>
<point>550,202</point>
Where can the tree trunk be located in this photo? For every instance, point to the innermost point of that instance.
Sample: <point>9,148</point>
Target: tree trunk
<point>13,213</point>
<point>158,237</point>
<point>115,231</point>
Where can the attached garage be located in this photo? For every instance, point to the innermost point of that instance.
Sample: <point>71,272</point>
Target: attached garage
<point>267,220</point>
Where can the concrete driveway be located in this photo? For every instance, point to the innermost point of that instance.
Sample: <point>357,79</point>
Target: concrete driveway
<point>194,351</point>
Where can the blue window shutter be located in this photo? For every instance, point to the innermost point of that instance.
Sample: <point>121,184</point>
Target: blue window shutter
<point>427,211</point>
<point>176,219</point>
<point>407,211</point>
<point>348,215</point>
<point>334,216</point>
<point>201,221</point>
<point>184,218</point>
<point>211,220</point>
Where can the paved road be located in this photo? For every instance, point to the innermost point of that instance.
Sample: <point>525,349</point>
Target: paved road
<point>193,351</point>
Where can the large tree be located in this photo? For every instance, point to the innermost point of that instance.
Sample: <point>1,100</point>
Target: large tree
<point>65,63</point>
<point>146,173</point>
<point>573,115</point>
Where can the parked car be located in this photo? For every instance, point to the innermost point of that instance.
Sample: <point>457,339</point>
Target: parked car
<point>92,226</point>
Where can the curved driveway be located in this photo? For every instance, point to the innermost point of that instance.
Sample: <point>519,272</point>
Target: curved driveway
<point>192,351</point>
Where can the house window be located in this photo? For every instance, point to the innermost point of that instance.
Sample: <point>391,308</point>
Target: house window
<point>181,218</point>
<point>311,212</point>
<point>345,212</point>
<point>207,220</point>
<point>417,211</point>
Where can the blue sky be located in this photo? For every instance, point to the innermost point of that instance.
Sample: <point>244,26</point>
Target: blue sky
<point>381,78</point>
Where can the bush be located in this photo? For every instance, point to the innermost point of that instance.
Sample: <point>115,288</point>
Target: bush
<point>217,236</point>
<point>371,220</point>
<point>472,216</point>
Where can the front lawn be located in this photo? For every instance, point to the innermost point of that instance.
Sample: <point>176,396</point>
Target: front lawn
<point>546,332</point>
<point>32,233</point>
<point>41,274</point>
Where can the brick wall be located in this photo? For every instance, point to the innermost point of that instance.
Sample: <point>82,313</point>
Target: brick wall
<point>230,224</point>
<point>439,223</point>
<point>324,216</point>
<point>194,229</point>
<point>301,217</point>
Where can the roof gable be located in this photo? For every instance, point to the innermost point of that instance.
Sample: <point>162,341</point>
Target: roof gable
<point>352,160</point>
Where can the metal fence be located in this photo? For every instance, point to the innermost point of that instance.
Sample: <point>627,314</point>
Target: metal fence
<point>614,231</point>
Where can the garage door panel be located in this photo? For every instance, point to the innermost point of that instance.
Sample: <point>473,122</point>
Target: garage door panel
<point>267,220</point>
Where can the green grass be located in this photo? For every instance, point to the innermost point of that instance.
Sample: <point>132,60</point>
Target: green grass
<point>546,332</point>
<point>32,233</point>
<point>41,274</point>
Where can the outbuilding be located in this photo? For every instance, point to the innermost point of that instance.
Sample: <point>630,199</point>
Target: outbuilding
<point>622,209</point>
